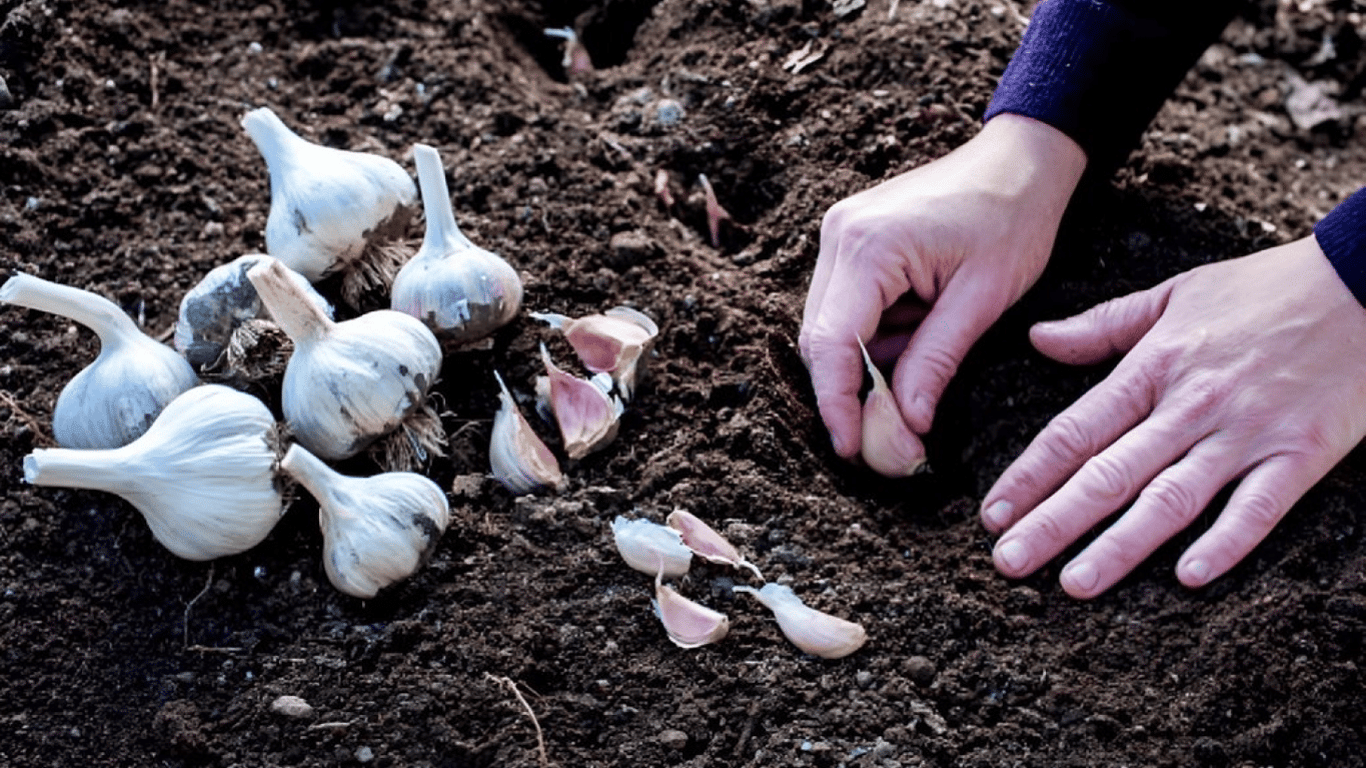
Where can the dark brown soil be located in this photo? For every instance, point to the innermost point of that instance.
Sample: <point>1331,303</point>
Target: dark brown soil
<point>124,171</point>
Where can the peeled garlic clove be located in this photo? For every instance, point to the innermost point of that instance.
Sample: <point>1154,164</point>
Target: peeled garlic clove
<point>376,530</point>
<point>706,542</point>
<point>689,624</point>
<point>880,413</point>
<point>330,209</point>
<point>461,291</point>
<point>203,475</point>
<point>520,460</point>
<point>615,342</point>
<point>220,304</point>
<point>114,399</point>
<point>349,383</point>
<point>819,634</point>
<point>587,416</point>
<point>650,547</point>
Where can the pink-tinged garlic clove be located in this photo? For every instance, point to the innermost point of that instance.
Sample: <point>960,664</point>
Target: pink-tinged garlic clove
<point>715,213</point>
<point>817,633</point>
<point>587,416</point>
<point>880,415</point>
<point>614,342</point>
<point>689,624</point>
<point>518,457</point>
<point>650,547</point>
<point>703,540</point>
<point>662,191</point>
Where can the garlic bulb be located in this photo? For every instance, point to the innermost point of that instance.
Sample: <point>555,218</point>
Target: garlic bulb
<point>203,475</point>
<point>114,399</point>
<point>650,547</point>
<point>817,633</point>
<point>615,342</point>
<point>331,210</point>
<point>706,542</point>
<point>348,383</point>
<point>461,291</point>
<point>587,416</point>
<point>880,412</point>
<point>688,623</point>
<point>217,308</point>
<point>519,458</point>
<point>376,530</point>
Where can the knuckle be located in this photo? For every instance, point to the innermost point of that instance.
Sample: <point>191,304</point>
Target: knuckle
<point>1047,528</point>
<point>941,363</point>
<point>1068,439</point>
<point>1170,501</point>
<point>1260,511</point>
<point>1107,478</point>
<point>1200,400</point>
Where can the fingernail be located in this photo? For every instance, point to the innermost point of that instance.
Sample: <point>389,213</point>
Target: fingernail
<point>1081,576</point>
<point>1197,572</point>
<point>998,514</point>
<point>1014,555</point>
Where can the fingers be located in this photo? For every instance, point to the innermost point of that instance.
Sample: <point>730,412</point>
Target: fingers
<point>836,375</point>
<point>1103,330</point>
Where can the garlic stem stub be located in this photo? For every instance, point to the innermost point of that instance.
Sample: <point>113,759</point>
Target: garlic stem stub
<point>587,416</point>
<point>203,475</point>
<point>689,624</point>
<point>817,633</point>
<point>377,530</point>
<point>114,400</point>
<point>347,383</point>
<point>518,457</point>
<point>880,448</point>
<point>461,291</point>
<point>615,342</point>
<point>330,209</point>
<point>650,547</point>
<point>703,540</point>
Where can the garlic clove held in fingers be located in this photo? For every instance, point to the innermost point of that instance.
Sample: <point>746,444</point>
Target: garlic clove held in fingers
<point>706,542</point>
<point>203,475</point>
<point>880,448</point>
<point>349,383</point>
<point>518,457</point>
<point>461,291</point>
<point>817,633</point>
<point>376,530</point>
<point>688,623</point>
<point>331,210</point>
<point>650,547</point>
<point>615,342</point>
<point>117,397</point>
<point>587,416</point>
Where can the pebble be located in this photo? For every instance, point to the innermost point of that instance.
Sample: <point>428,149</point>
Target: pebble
<point>365,755</point>
<point>673,739</point>
<point>291,706</point>
<point>921,670</point>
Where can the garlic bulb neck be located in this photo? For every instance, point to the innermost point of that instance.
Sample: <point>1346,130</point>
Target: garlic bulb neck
<point>279,145</point>
<point>95,312</point>
<point>311,472</point>
<point>293,309</point>
<point>443,235</point>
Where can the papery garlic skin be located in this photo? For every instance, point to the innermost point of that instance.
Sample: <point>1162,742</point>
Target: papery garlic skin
<point>879,446</point>
<point>114,400</point>
<point>587,416</point>
<point>615,342</point>
<point>518,457</point>
<point>650,547</point>
<point>702,539</point>
<point>689,624</point>
<point>376,530</point>
<point>349,383</point>
<point>326,205</point>
<point>203,475</point>
<point>220,303</point>
<point>817,633</point>
<point>461,291</point>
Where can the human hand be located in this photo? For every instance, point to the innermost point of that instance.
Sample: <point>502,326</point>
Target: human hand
<point>1252,369</point>
<point>918,267</point>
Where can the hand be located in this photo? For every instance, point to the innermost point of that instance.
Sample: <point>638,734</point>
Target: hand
<point>1254,368</point>
<point>920,266</point>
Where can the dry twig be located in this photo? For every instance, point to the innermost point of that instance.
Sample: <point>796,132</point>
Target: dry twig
<point>540,737</point>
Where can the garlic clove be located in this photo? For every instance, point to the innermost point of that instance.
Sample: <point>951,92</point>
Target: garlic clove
<point>117,397</point>
<point>689,624</point>
<point>519,458</point>
<point>715,213</point>
<point>587,416</point>
<point>576,59</point>
<point>880,448</point>
<point>650,547</point>
<point>706,542</point>
<point>615,342</point>
<point>330,209</point>
<point>461,291</point>
<point>203,475</point>
<point>376,530</point>
<point>816,633</point>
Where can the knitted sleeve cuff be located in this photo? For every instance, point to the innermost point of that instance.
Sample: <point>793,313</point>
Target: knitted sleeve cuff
<point>1342,236</point>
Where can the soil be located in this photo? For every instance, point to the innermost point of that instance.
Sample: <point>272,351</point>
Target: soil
<point>124,171</point>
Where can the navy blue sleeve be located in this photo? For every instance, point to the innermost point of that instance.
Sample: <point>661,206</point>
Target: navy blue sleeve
<point>1342,236</point>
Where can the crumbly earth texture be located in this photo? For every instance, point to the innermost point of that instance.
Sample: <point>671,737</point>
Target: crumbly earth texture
<point>526,641</point>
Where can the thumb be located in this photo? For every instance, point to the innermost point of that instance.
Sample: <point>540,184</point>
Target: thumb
<point>1104,330</point>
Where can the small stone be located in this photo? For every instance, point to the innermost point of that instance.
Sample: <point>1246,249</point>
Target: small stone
<point>668,112</point>
<point>864,679</point>
<point>921,670</point>
<point>631,248</point>
<point>673,739</point>
<point>291,706</point>
<point>365,755</point>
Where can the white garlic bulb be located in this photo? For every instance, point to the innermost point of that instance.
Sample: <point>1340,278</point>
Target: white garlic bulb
<point>203,475</point>
<point>376,530</point>
<point>219,305</point>
<point>880,413</point>
<point>615,342</point>
<point>650,547</point>
<point>519,458</point>
<point>114,399</point>
<point>689,624</point>
<point>461,291</point>
<point>330,209</point>
<point>817,633</point>
<point>587,416</point>
<point>702,539</point>
<point>348,383</point>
